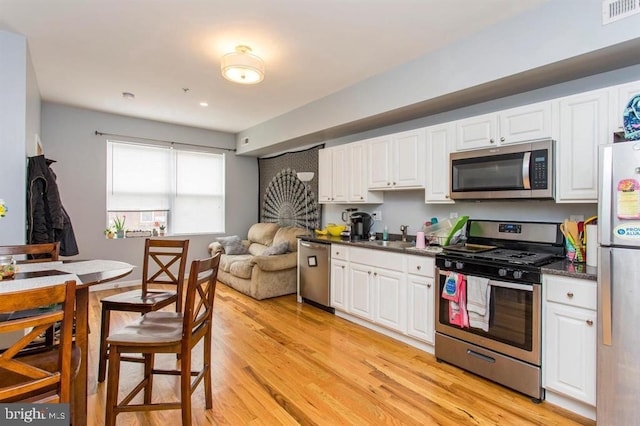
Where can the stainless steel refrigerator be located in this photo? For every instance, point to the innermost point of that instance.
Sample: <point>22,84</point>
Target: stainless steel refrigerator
<point>618,377</point>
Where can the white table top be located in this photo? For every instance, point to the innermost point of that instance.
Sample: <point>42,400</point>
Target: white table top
<point>72,269</point>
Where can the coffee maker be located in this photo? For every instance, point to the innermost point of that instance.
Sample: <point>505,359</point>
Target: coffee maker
<point>361,223</point>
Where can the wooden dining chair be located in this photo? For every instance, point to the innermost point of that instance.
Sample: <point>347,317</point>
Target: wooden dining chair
<point>168,332</point>
<point>34,252</point>
<point>43,377</point>
<point>164,263</point>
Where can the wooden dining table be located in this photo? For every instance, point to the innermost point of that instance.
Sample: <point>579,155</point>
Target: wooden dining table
<point>86,273</point>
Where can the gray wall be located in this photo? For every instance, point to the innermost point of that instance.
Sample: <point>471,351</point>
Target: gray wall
<point>19,125</point>
<point>68,136</point>
<point>552,33</point>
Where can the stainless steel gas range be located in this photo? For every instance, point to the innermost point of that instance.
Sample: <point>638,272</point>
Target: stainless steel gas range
<point>488,310</point>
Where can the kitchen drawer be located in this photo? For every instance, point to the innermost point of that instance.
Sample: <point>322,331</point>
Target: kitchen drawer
<point>421,265</point>
<point>377,258</point>
<point>571,291</point>
<point>339,252</point>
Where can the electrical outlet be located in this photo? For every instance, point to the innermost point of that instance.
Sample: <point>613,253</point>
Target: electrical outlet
<point>377,215</point>
<point>453,215</point>
<point>576,218</point>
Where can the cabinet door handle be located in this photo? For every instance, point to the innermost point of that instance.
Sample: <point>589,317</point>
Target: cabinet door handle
<point>589,323</point>
<point>388,183</point>
<point>369,272</point>
<point>491,140</point>
<point>394,184</point>
<point>342,266</point>
<point>446,196</point>
<point>570,294</point>
<point>418,267</point>
<point>428,285</point>
<point>375,274</point>
<point>502,139</point>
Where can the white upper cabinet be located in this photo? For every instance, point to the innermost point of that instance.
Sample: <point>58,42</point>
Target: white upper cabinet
<point>332,171</point>
<point>397,161</point>
<point>515,125</point>
<point>440,141</point>
<point>357,171</point>
<point>476,132</point>
<point>582,127</point>
<point>342,175</point>
<point>526,123</point>
<point>620,97</point>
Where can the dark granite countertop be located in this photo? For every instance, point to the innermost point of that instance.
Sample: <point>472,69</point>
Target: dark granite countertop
<point>394,245</point>
<point>571,269</point>
<point>562,267</point>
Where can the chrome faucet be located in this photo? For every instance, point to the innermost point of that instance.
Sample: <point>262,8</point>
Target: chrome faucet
<point>403,229</point>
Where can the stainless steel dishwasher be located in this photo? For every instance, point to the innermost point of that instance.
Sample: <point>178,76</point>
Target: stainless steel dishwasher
<point>313,269</point>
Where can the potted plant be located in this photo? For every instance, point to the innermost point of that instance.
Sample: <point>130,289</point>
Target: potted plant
<point>162,229</point>
<point>109,233</point>
<point>118,224</point>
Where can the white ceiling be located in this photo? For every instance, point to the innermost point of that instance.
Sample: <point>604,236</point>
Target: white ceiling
<point>87,52</point>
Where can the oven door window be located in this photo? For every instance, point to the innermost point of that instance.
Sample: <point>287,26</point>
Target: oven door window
<point>510,319</point>
<point>495,173</point>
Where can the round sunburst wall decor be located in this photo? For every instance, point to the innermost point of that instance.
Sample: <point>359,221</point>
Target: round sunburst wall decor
<point>289,202</point>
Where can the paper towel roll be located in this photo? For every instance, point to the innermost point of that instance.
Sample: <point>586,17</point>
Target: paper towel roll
<point>592,245</point>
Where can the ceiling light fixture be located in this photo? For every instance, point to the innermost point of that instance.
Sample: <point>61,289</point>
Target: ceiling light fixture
<point>204,104</point>
<point>128,96</point>
<point>242,66</point>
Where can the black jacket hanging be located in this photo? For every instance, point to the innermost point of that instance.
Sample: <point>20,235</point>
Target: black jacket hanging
<point>47,221</point>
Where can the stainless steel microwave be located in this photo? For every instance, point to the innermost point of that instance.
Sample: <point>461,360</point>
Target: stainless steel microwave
<point>514,171</point>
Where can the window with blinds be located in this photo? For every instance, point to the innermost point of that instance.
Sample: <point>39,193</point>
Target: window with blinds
<point>151,186</point>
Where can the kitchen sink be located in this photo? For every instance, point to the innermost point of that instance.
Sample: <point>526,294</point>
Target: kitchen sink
<point>392,244</point>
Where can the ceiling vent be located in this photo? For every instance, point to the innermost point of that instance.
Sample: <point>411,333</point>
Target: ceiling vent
<point>614,10</point>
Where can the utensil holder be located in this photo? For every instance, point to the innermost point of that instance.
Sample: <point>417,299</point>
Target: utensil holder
<point>574,254</point>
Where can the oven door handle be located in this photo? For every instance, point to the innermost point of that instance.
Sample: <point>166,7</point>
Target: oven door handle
<point>515,286</point>
<point>504,284</point>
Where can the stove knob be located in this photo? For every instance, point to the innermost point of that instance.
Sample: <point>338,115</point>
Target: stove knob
<point>517,274</point>
<point>447,263</point>
<point>502,272</point>
<point>459,265</point>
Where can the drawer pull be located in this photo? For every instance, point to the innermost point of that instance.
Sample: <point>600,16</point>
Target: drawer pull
<point>589,323</point>
<point>428,285</point>
<point>418,267</point>
<point>570,294</point>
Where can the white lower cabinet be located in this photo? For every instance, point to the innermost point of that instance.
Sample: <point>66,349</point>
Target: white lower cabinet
<point>390,287</point>
<point>570,334</point>
<point>361,290</point>
<point>339,279</point>
<point>390,291</point>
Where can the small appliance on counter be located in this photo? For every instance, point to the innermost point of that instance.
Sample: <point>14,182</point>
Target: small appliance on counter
<point>361,224</point>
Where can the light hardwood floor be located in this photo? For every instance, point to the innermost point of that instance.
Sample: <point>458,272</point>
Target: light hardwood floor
<point>279,362</point>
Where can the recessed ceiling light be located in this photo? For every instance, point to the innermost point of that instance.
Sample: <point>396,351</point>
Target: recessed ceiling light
<point>204,104</point>
<point>128,95</point>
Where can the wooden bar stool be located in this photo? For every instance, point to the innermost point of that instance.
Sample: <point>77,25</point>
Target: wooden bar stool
<point>161,258</point>
<point>168,332</point>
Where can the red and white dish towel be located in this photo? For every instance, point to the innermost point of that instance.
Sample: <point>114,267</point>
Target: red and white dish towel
<point>469,300</point>
<point>455,290</point>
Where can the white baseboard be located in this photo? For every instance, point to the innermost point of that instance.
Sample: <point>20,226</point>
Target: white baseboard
<point>112,285</point>
<point>568,403</point>
<point>387,332</point>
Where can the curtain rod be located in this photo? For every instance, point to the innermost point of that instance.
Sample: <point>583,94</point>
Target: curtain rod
<point>97,133</point>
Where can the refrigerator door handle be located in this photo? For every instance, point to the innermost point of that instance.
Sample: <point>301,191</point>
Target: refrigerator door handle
<point>606,187</point>
<point>604,272</point>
